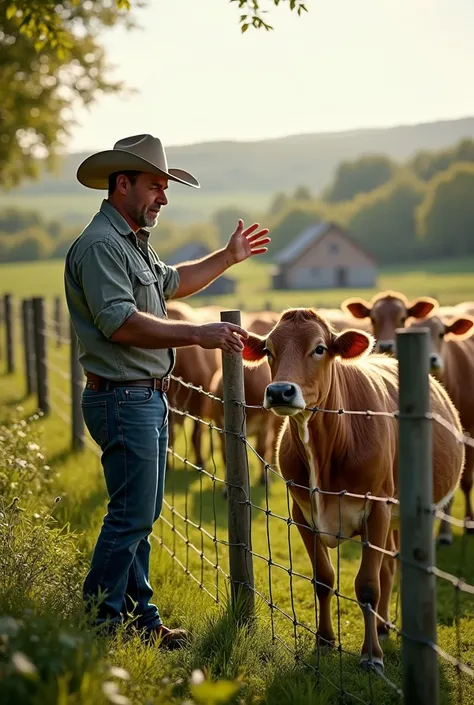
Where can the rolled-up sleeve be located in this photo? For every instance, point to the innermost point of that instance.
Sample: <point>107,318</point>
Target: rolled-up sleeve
<point>170,280</point>
<point>107,287</point>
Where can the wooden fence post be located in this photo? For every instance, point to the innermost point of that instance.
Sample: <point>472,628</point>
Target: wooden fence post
<point>9,332</point>
<point>58,320</point>
<point>237,477</point>
<point>417,548</point>
<point>28,346</point>
<point>41,352</point>
<point>77,379</point>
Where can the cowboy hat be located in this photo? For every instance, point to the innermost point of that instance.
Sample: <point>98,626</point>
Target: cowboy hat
<point>136,153</point>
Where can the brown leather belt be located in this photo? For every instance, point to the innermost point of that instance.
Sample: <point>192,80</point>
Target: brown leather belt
<point>95,382</point>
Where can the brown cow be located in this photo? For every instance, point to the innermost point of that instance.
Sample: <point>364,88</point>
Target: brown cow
<point>259,423</point>
<point>452,363</point>
<point>388,311</point>
<point>312,366</point>
<point>197,366</point>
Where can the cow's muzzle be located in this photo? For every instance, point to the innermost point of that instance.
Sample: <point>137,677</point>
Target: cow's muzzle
<point>284,398</point>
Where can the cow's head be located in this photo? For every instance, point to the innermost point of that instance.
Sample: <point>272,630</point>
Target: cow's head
<point>301,350</point>
<point>388,311</point>
<point>440,332</point>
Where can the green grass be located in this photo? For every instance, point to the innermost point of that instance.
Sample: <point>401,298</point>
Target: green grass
<point>185,205</point>
<point>267,667</point>
<point>450,281</point>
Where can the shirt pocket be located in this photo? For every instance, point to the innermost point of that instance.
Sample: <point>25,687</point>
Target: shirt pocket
<point>147,292</point>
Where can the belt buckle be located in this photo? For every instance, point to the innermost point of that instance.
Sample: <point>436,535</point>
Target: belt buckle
<point>165,384</point>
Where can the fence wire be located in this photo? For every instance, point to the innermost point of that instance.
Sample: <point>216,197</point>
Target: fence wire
<point>192,530</point>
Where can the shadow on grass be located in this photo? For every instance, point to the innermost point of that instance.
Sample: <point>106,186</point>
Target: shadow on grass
<point>286,673</point>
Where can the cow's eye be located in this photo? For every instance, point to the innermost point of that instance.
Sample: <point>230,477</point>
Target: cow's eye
<point>441,336</point>
<point>267,353</point>
<point>319,350</point>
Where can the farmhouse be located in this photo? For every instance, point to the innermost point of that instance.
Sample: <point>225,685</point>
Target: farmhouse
<point>188,252</point>
<point>221,285</point>
<point>324,256</point>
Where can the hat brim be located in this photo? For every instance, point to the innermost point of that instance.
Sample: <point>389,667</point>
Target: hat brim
<point>94,171</point>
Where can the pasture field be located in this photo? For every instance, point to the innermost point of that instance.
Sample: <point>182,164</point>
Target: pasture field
<point>266,666</point>
<point>78,208</point>
<point>450,281</point>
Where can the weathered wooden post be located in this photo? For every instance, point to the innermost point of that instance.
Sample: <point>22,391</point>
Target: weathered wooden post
<point>77,379</point>
<point>28,346</point>
<point>58,320</point>
<point>9,332</point>
<point>417,552</point>
<point>41,352</point>
<point>237,476</point>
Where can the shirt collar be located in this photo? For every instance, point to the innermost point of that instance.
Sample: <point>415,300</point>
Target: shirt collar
<point>118,221</point>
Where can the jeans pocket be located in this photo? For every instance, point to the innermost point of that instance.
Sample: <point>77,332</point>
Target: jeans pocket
<point>131,396</point>
<point>95,417</point>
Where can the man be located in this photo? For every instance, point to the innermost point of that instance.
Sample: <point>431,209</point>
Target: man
<point>116,288</point>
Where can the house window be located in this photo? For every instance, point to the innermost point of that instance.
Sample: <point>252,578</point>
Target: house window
<point>333,248</point>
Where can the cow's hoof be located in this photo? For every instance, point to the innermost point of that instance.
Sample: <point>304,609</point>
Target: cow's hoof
<point>445,540</point>
<point>374,664</point>
<point>325,642</point>
<point>383,632</point>
<point>469,529</point>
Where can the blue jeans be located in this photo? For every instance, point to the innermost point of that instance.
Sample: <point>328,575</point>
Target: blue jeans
<point>130,424</point>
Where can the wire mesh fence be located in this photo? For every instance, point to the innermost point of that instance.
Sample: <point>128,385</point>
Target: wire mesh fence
<point>229,520</point>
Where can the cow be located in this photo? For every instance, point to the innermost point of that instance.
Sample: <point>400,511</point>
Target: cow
<point>259,423</point>
<point>194,365</point>
<point>451,362</point>
<point>313,367</point>
<point>388,311</point>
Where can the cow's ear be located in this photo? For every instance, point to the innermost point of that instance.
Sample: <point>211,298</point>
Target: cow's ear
<point>420,308</point>
<point>352,344</point>
<point>254,350</point>
<point>461,327</point>
<point>357,307</point>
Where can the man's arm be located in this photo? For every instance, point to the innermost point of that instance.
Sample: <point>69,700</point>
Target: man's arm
<point>194,276</point>
<point>145,331</point>
<point>109,294</point>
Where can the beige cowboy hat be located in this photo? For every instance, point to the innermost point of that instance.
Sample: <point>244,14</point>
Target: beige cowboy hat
<point>136,153</point>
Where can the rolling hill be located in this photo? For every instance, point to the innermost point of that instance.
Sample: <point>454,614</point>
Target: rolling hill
<point>248,173</point>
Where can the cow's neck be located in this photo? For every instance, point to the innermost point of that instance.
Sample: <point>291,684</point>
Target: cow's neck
<point>322,438</point>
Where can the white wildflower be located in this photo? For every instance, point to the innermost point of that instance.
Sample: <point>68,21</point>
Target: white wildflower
<point>111,692</point>
<point>197,677</point>
<point>33,446</point>
<point>119,673</point>
<point>23,664</point>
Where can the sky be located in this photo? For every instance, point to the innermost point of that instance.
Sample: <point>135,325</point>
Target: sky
<point>345,64</point>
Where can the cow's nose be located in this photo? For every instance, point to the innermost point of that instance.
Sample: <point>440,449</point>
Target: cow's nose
<point>386,346</point>
<point>281,393</point>
<point>434,362</point>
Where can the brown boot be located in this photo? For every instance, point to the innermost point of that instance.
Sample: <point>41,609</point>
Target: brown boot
<point>166,638</point>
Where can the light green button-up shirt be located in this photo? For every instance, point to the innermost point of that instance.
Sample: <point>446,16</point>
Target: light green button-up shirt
<point>108,276</point>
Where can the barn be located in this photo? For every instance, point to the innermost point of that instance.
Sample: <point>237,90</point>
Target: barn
<point>324,256</point>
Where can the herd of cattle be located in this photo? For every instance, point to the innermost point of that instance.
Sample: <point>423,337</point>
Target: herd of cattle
<point>302,360</point>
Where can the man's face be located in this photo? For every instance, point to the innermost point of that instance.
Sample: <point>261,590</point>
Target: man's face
<point>144,199</point>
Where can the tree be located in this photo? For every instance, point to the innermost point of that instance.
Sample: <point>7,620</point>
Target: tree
<point>302,193</point>
<point>445,219</point>
<point>50,54</point>
<point>360,176</point>
<point>384,220</point>
<point>253,12</point>
<point>427,164</point>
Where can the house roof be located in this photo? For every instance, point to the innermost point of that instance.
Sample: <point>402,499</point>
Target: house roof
<point>190,250</point>
<point>301,242</point>
<point>311,235</point>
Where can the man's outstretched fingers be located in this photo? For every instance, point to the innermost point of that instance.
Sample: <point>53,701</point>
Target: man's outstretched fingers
<point>234,328</point>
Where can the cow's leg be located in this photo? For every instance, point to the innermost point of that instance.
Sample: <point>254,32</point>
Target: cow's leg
<point>323,573</point>
<point>466,484</point>
<point>445,531</point>
<point>387,573</point>
<point>197,441</point>
<point>367,582</point>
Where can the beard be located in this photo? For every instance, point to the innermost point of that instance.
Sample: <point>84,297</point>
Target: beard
<point>145,217</point>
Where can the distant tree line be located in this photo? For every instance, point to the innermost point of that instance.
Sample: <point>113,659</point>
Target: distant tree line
<point>423,209</point>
